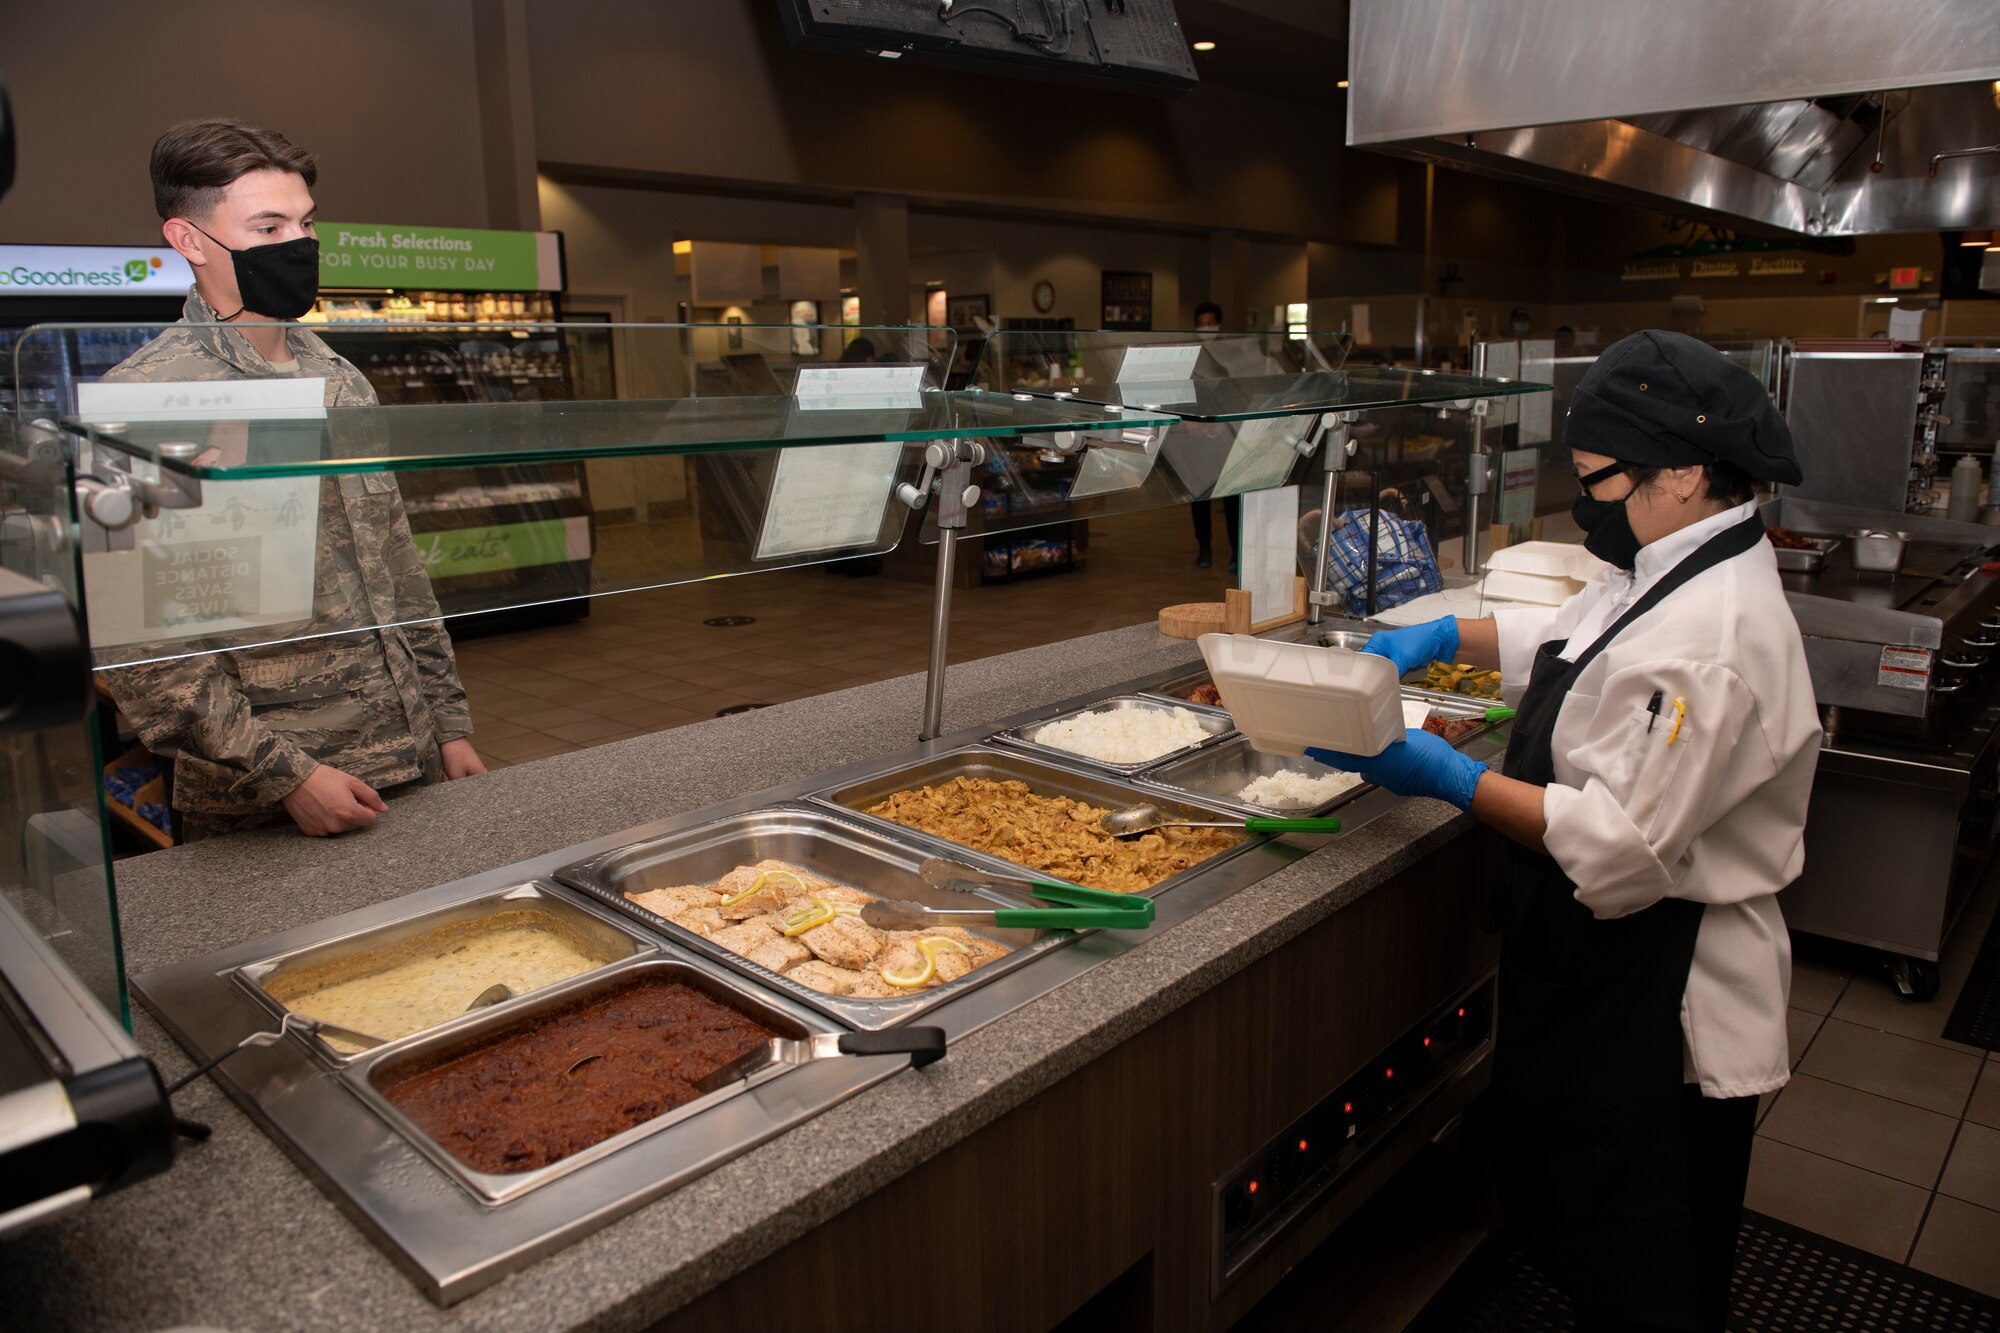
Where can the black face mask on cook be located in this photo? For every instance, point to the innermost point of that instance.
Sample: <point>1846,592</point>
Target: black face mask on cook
<point>278,281</point>
<point>1607,528</point>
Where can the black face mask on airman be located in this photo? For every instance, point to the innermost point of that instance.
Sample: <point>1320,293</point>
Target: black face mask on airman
<point>278,281</point>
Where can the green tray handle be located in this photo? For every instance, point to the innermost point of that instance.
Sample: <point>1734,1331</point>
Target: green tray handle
<point>1088,909</point>
<point>1499,715</point>
<point>1271,824</point>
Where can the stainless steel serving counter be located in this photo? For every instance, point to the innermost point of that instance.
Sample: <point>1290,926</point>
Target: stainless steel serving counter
<point>237,1237</point>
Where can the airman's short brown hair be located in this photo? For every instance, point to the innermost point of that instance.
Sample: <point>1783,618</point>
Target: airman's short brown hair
<point>196,160</point>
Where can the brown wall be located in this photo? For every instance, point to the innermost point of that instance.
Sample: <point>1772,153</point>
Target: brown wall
<point>713,93</point>
<point>383,90</point>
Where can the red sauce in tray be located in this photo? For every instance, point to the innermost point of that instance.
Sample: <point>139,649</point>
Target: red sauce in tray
<point>569,1079</point>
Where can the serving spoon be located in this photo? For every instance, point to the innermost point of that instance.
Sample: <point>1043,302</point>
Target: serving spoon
<point>1144,818</point>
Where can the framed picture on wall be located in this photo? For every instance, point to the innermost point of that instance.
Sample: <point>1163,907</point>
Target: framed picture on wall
<point>960,310</point>
<point>805,340</point>
<point>1127,300</point>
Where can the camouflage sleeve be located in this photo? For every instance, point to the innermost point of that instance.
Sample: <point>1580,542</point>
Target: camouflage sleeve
<point>437,667</point>
<point>194,706</point>
<point>417,610</point>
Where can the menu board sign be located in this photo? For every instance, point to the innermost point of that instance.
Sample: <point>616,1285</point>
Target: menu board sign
<point>244,559</point>
<point>828,498</point>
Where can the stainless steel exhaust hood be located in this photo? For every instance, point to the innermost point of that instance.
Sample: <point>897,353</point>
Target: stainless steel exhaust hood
<point>1822,117</point>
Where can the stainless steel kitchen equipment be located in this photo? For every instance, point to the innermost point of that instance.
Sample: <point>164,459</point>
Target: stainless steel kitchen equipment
<point>1855,421</point>
<point>1901,669</point>
<point>1845,128</point>
<point>884,862</point>
<point>446,1228</point>
<point>453,1229</point>
<point>994,764</point>
<point>284,980</point>
<point>1214,721</point>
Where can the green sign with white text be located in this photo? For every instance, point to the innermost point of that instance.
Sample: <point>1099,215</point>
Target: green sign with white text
<point>362,254</point>
<point>547,541</point>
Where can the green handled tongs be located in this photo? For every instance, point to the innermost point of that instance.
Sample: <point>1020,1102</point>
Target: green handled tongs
<point>1076,908</point>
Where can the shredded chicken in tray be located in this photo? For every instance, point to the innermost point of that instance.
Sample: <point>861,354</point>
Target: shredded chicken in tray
<point>1053,834</point>
<point>807,928</point>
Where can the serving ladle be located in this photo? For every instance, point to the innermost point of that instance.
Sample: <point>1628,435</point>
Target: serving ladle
<point>1145,817</point>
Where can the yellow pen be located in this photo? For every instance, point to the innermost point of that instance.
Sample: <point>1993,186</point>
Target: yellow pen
<point>1680,716</point>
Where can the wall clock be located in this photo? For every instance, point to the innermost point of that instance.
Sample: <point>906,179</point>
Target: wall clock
<point>1045,296</point>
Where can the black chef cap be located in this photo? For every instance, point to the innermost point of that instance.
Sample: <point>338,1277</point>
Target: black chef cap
<point>1667,400</point>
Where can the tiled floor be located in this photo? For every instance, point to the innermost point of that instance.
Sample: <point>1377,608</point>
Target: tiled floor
<point>643,661</point>
<point>1888,1136</point>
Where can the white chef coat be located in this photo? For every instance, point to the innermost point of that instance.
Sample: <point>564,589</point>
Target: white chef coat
<point>1716,814</point>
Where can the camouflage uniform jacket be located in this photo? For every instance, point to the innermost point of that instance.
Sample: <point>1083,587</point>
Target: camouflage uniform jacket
<point>244,727</point>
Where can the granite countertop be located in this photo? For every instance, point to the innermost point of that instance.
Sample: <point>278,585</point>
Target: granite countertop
<point>235,1236</point>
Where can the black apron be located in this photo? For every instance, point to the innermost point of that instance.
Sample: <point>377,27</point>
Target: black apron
<point>1587,1070</point>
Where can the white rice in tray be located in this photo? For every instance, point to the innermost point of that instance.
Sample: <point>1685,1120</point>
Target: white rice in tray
<point>1124,735</point>
<point>1290,788</point>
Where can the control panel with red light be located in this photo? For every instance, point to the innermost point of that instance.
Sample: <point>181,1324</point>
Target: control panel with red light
<point>1280,1183</point>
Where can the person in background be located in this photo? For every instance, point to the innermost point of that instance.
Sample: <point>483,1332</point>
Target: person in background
<point>316,729</point>
<point>1655,786</point>
<point>1208,319</point>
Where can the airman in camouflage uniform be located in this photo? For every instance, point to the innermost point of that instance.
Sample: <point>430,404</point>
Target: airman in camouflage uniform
<point>245,727</point>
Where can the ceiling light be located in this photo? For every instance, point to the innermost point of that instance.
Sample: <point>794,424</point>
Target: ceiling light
<point>1340,83</point>
<point>1204,46</point>
<point>1980,237</point>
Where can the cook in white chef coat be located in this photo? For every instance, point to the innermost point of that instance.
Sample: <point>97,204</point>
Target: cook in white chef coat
<point>1656,786</point>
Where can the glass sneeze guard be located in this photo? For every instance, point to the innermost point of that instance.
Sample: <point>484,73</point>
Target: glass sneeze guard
<point>723,449</point>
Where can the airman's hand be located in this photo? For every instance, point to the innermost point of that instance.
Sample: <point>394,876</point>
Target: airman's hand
<point>330,801</point>
<point>460,759</point>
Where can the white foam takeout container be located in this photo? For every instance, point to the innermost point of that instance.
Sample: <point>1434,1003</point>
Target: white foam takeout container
<point>1287,696</point>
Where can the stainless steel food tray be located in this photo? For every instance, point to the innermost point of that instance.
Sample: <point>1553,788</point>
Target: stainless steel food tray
<point>1044,778</point>
<point>1217,772</point>
<point>1176,687</point>
<point>615,940</point>
<point>1214,721</point>
<point>880,859</point>
<point>1806,560</point>
<point>366,1075</point>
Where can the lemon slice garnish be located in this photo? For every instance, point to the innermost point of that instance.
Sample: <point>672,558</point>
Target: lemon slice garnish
<point>790,875</point>
<point>807,915</point>
<point>931,942</point>
<point>916,978</point>
<point>755,885</point>
<point>846,909</point>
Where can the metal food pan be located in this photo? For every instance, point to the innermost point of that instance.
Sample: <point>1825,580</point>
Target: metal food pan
<point>1806,560</point>
<point>366,1074</point>
<point>1218,772</point>
<point>1044,779</point>
<point>1177,687</point>
<point>1879,550</point>
<point>1214,721</point>
<point>267,977</point>
<point>868,858</point>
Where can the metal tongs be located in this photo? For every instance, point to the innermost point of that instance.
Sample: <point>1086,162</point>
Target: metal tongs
<point>1076,909</point>
<point>922,1044</point>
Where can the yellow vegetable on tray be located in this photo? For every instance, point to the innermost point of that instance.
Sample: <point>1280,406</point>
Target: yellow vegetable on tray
<point>1458,678</point>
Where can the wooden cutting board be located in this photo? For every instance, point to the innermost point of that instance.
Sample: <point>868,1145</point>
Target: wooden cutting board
<point>1191,620</point>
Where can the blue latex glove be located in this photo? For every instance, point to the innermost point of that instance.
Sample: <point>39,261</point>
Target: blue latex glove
<point>1421,764</point>
<point>1418,645</point>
